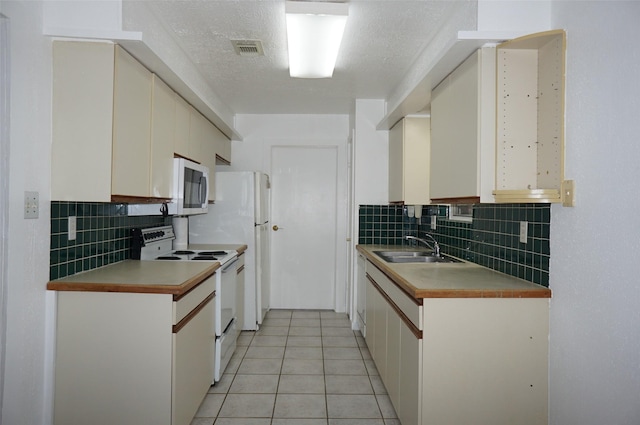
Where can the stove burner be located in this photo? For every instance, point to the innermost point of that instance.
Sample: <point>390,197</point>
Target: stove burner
<point>167,257</point>
<point>204,257</point>
<point>187,252</point>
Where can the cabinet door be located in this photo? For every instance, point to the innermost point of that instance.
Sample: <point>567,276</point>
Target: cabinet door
<point>192,365</point>
<point>197,135</point>
<point>393,382</point>
<point>162,133</point>
<point>409,162</point>
<point>396,166</point>
<point>454,133</point>
<point>408,406</point>
<point>82,116</point>
<point>463,132</point>
<point>361,297</point>
<point>380,331</point>
<point>182,124</point>
<point>223,151</point>
<point>131,127</point>
<point>370,320</point>
<point>208,153</point>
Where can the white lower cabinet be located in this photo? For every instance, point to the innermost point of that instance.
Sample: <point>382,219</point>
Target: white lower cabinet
<point>394,347</point>
<point>133,358</point>
<point>464,361</point>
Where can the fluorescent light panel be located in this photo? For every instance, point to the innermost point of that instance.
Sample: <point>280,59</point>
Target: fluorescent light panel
<point>314,33</point>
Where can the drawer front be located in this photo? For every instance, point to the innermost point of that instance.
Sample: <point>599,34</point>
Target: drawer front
<point>184,305</point>
<point>409,306</point>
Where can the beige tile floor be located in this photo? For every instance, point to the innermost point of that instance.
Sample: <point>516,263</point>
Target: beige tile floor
<point>301,368</point>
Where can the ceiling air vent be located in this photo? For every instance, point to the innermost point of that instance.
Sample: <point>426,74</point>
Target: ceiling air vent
<point>248,47</point>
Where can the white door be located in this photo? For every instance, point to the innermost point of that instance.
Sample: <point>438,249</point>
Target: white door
<point>303,223</point>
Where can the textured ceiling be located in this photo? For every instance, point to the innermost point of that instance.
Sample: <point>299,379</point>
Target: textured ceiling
<point>382,39</point>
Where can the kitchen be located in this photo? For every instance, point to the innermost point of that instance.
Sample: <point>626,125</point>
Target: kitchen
<point>583,388</point>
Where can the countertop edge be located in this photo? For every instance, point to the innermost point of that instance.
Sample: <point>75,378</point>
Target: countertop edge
<point>418,293</point>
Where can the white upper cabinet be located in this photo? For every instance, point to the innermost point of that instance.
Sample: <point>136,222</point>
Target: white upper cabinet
<point>530,125</point>
<point>409,161</point>
<point>463,132</point>
<point>223,148</point>
<point>117,128</point>
<point>102,125</point>
<point>163,122</point>
<point>83,75</point>
<point>182,123</point>
<point>131,167</point>
<point>197,135</point>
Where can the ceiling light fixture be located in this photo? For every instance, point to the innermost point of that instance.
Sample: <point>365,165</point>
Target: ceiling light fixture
<point>314,33</point>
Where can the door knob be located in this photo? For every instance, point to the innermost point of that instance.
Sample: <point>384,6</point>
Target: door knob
<point>275,227</point>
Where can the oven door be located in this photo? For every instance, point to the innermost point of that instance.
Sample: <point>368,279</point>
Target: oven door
<point>227,294</point>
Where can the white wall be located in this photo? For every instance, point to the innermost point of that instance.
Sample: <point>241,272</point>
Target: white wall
<point>262,132</point>
<point>594,270</point>
<point>28,371</point>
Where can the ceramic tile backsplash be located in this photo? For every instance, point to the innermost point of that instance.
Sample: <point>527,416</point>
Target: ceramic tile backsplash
<point>491,239</point>
<point>102,235</point>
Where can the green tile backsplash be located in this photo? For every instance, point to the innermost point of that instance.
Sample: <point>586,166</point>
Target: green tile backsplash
<point>491,240</point>
<point>102,235</point>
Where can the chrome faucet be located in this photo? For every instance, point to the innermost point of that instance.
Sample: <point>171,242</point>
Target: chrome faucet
<point>433,244</point>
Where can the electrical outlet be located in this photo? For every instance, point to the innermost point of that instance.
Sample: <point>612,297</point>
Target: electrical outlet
<point>568,193</point>
<point>524,227</point>
<point>434,220</point>
<point>72,227</point>
<point>31,204</point>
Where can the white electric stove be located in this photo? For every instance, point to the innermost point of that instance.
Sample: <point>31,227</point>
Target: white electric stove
<point>156,244</point>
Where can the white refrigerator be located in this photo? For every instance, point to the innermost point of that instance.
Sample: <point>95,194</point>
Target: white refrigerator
<point>240,214</point>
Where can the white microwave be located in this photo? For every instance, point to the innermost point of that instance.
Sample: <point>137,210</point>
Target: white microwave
<point>191,187</point>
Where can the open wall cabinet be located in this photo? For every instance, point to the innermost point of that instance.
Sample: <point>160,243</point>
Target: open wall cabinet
<point>530,118</point>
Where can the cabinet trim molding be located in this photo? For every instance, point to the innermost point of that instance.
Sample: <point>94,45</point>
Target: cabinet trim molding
<point>414,330</point>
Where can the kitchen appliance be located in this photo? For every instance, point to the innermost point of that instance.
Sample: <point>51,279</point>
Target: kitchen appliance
<point>241,215</point>
<point>190,192</point>
<point>190,187</point>
<point>155,244</point>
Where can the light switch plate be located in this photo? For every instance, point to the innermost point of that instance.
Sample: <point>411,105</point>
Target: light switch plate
<point>434,220</point>
<point>524,230</point>
<point>31,204</point>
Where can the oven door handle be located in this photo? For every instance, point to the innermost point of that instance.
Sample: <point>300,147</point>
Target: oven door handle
<point>226,268</point>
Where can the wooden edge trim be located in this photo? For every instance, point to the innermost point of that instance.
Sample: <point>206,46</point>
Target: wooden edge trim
<point>396,203</point>
<point>181,324</point>
<point>177,155</point>
<point>462,200</point>
<point>414,330</point>
<point>469,293</point>
<point>177,297</point>
<point>392,279</point>
<point>222,160</point>
<point>240,269</point>
<point>126,199</point>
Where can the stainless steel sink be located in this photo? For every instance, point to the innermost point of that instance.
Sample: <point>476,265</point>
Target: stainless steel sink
<point>414,257</point>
